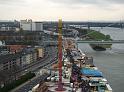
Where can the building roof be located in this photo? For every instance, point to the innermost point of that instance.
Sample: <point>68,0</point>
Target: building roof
<point>91,72</point>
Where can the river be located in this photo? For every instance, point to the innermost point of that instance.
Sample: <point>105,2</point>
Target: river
<point>110,62</point>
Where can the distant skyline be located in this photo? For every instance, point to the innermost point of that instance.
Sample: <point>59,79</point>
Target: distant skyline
<point>68,10</point>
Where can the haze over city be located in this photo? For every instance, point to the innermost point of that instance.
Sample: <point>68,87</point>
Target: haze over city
<point>68,10</point>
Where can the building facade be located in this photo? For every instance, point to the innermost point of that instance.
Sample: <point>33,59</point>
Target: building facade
<point>9,25</point>
<point>29,25</point>
<point>11,63</point>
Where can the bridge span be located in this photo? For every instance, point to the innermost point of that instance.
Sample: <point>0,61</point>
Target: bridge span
<point>102,42</point>
<point>89,42</point>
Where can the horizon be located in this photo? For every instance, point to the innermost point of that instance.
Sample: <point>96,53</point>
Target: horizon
<point>67,20</point>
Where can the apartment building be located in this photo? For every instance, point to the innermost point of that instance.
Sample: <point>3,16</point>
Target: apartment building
<point>9,25</point>
<point>11,63</point>
<point>29,25</point>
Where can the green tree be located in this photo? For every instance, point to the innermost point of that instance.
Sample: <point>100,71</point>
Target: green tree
<point>108,37</point>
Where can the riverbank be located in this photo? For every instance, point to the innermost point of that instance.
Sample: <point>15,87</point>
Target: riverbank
<point>110,62</point>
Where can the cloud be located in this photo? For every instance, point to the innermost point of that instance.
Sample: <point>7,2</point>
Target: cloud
<point>12,2</point>
<point>116,1</point>
<point>108,5</point>
<point>96,2</point>
<point>74,1</point>
<point>67,9</point>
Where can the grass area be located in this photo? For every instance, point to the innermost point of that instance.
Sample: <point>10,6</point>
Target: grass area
<point>95,35</point>
<point>18,82</point>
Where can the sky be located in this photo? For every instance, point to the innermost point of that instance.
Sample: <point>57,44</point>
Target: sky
<point>67,10</point>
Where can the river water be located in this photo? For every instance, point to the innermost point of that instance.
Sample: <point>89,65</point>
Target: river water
<point>110,62</point>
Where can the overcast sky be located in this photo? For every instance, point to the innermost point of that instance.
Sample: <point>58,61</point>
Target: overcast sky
<point>68,10</point>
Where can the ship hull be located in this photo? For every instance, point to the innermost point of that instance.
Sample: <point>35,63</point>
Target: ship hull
<point>100,47</point>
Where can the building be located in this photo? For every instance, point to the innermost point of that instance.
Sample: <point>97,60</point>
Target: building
<point>29,25</point>
<point>40,52</point>
<point>13,62</point>
<point>9,65</point>
<point>29,56</point>
<point>21,59</point>
<point>11,49</point>
<point>4,50</point>
<point>37,26</point>
<point>8,61</point>
<point>15,48</point>
<point>22,38</point>
<point>9,25</point>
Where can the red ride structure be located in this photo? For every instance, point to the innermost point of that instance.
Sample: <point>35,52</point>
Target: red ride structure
<point>60,84</point>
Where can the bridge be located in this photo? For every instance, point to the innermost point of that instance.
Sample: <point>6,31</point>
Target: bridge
<point>102,42</point>
<point>118,24</point>
<point>89,42</point>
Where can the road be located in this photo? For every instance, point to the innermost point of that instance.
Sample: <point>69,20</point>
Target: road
<point>30,84</point>
<point>52,58</point>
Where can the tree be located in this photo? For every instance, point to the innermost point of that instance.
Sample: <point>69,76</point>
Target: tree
<point>108,37</point>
